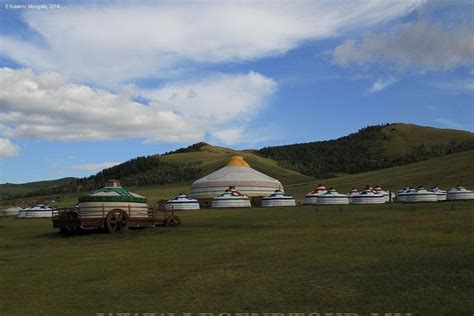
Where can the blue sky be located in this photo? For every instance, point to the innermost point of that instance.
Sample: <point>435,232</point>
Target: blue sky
<point>87,85</point>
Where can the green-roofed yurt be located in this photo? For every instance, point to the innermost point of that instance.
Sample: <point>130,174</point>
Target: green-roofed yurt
<point>112,196</point>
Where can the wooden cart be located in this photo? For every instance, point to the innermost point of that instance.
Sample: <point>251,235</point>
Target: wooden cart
<point>116,220</point>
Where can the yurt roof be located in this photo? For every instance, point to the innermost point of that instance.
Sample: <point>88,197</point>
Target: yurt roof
<point>232,193</point>
<point>421,191</point>
<point>459,188</point>
<point>406,189</point>
<point>332,193</point>
<point>378,188</point>
<point>237,173</point>
<point>320,188</point>
<point>437,190</point>
<point>278,194</point>
<point>113,192</point>
<point>370,193</point>
<point>182,198</point>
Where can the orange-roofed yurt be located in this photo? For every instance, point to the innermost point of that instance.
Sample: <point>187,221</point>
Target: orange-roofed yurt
<point>237,173</point>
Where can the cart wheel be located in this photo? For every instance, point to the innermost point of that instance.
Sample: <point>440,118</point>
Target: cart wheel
<point>172,220</point>
<point>116,221</point>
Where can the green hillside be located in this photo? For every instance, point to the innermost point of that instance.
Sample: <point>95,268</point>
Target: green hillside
<point>371,148</point>
<point>444,172</point>
<point>26,188</point>
<point>210,158</point>
<point>402,138</point>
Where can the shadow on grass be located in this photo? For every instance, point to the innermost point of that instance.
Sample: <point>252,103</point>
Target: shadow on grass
<point>98,232</point>
<point>60,235</point>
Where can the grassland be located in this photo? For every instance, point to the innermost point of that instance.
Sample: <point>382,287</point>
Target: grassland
<point>357,259</point>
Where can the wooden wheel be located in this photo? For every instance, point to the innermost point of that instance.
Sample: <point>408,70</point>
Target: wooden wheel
<point>116,221</point>
<point>172,220</point>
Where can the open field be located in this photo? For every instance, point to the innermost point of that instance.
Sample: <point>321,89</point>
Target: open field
<point>358,259</point>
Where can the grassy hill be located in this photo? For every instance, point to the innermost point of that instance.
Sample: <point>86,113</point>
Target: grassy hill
<point>210,158</point>
<point>444,172</point>
<point>29,187</point>
<point>371,148</point>
<point>402,138</point>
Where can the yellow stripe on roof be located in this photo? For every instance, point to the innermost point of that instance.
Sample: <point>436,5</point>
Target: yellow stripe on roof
<point>237,161</point>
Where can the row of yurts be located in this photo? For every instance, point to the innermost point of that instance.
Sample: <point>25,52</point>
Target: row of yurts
<point>238,185</point>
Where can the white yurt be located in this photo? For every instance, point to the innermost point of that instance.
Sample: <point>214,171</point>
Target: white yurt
<point>332,197</point>
<point>312,197</point>
<point>459,193</point>
<point>368,197</point>
<point>182,202</point>
<point>378,189</point>
<point>278,198</point>
<point>237,173</point>
<point>421,195</point>
<point>112,196</point>
<point>440,194</point>
<point>402,194</point>
<point>231,198</point>
<point>351,193</point>
<point>11,211</point>
<point>38,210</point>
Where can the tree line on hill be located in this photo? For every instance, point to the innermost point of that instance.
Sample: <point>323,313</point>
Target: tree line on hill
<point>191,148</point>
<point>358,152</point>
<point>135,172</point>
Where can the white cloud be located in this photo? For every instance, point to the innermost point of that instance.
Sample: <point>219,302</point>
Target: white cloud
<point>7,148</point>
<point>244,134</point>
<point>120,42</point>
<point>230,136</point>
<point>48,107</point>
<point>382,84</point>
<point>426,46</point>
<point>94,167</point>
<point>216,99</point>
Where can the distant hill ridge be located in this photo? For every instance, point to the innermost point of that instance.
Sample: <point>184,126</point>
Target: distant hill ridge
<point>371,148</point>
